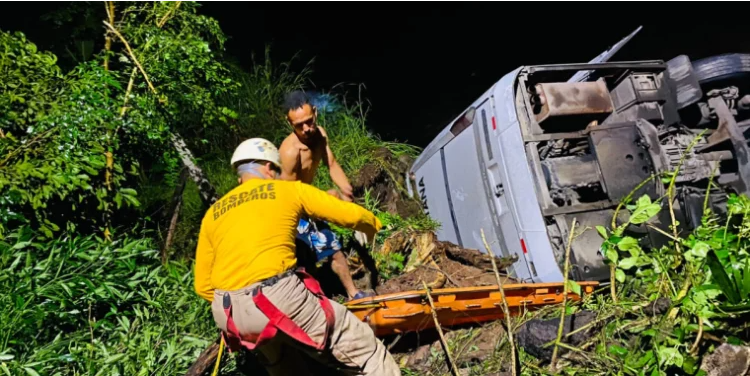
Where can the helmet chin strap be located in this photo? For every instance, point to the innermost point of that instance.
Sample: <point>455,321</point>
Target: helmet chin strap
<point>251,168</point>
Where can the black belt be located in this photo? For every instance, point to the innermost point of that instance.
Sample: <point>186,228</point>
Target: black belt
<point>272,280</point>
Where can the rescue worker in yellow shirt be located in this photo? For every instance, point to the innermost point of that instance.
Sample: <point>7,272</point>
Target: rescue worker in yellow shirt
<point>246,267</point>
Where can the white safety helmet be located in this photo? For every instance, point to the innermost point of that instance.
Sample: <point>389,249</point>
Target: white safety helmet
<point>257,149</point>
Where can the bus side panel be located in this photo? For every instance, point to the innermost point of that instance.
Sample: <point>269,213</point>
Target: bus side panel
<point>467,190</point>
<point>495,180</point>
<point>432,192</point>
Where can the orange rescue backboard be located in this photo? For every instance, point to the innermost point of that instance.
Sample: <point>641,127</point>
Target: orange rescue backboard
<point>410,310</point>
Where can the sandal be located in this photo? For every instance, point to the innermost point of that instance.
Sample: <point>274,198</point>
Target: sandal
<point>361,295</point>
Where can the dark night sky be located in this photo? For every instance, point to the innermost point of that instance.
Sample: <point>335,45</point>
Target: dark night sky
<point>423,64</point>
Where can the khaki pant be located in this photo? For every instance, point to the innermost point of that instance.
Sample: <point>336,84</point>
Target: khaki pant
<point>352,345</point>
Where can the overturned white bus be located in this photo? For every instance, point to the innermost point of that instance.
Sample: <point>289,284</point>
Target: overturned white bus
<point>550,143</point>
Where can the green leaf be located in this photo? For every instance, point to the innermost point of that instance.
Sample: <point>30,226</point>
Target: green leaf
<point>643,360</point>
<point>6,357</point>
<point>129,191</point>
<point>710,291</point>
<point>643,201</point>
<point>627,263</point>
<point>602,231</point>
<point>20,245</point>
<point>650,333</point>
<point>690,365</point>
<point>627,243</point>
<point>620,275</point>
<point>132,200</point>
<point>720,277</point>
<point>699,250</point>
<point>66,288</point>
<point>618,350</point>
<point>114,358</point>
<point>732,340</point>
<point>574,287</point>
<point>737,281</point>
<point>670,356</point>
<point>644,213</point>
<point>612,255</point>
<point>30,371</point>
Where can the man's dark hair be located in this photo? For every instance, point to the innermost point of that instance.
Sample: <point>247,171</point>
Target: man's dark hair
<point>295,99</point>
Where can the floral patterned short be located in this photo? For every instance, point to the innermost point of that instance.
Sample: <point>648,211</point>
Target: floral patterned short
<point>318,236</point>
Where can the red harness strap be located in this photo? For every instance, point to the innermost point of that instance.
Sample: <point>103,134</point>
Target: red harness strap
<point>279,321</point>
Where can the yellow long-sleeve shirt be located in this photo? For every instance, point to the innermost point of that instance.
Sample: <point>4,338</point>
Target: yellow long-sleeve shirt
<point>248,235</point>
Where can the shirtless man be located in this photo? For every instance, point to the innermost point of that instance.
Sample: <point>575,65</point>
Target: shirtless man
<point>301,154</point>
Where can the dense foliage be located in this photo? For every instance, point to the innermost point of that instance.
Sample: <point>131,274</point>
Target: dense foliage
<point>78,305</point>
<point>706,276</point>
<point>76,141</point>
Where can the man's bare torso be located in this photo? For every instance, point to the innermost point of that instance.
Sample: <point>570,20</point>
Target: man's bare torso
<point>307,158</point>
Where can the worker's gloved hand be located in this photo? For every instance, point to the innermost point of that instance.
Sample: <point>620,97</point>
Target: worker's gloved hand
<point>361,238</point>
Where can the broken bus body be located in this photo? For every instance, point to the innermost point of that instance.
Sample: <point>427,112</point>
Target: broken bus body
<point>547,144</point>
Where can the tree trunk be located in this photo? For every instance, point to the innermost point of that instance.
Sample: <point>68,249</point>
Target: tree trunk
<point>206,190</point>
<point>205,361</point>
<point>170,233</point>
<point>175,211</point>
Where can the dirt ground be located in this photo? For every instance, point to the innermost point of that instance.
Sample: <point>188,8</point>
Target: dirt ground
<point>470,346</point>
<point>439,264</point>
<point>385,178</point>
<point>458,275</point>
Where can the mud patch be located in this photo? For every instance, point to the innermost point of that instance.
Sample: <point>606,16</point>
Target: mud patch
<point>458,275</point>
<point>470,346</point>
<point>439,264</point>
<point>385,177</point>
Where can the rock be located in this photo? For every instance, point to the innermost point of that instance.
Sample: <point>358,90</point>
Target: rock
<point>727,360</point>
<point>533,335</point>
<point>658,307</point>
<point>418,360</point>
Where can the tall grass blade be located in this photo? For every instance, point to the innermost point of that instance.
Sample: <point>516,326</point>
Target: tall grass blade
<point>721,278</point>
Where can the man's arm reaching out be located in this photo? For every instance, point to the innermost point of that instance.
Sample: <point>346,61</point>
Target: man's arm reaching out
<point>337,173</point>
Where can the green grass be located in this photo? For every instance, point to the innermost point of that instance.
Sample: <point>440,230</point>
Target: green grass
<point>74,305</point>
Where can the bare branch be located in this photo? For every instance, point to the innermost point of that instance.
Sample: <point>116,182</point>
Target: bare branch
<point>164,19</point>
<point>109,6</point>
<point>506,310</point>
<point>558,341</point>
<point>448,357</point>
<point>132,56</point>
